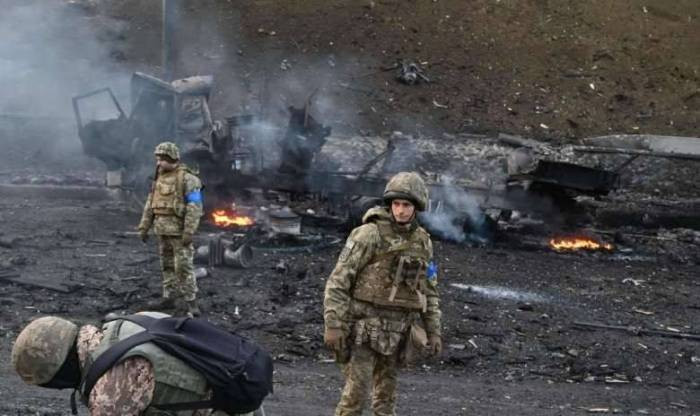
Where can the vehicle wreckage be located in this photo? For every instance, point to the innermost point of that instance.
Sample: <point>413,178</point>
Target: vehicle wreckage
<point>344,175</point>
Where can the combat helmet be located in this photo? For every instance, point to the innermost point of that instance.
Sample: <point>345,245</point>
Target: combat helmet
<point>409,186</point>
<point>168,149</point>
<point>42,347</point>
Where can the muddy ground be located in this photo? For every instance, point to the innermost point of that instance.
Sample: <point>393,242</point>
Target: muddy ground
<point>554,70</point>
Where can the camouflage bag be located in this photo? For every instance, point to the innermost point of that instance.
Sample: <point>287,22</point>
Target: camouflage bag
<point>417,345</point>
<point>382,335</point>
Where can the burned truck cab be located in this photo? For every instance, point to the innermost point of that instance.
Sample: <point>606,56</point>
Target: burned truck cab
<point>177,111</point>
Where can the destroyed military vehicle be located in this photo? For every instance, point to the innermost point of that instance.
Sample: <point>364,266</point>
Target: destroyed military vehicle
<point>177,111</point>
<point>344,174</point>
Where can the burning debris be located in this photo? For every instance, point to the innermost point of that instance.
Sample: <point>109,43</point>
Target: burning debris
<point>575,243</point>
<point>223,218</point>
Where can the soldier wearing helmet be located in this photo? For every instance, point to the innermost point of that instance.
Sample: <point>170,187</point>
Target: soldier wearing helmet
<point>55,353</point>
<point>381,303</point>
<point>173,209</point>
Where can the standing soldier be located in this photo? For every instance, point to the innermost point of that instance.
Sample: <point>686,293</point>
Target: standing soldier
<point>381,299</point>
<point>174,208</point>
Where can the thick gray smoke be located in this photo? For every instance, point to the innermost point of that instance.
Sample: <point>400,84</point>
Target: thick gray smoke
<point>455,215</point>
<point>51,51</point>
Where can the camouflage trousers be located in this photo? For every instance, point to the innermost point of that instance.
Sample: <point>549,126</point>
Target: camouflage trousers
<point>377,342</point>
<point>367,369</point>
<point>176,264</point>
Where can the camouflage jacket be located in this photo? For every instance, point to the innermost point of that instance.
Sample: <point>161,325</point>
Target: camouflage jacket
<point>186,204</point>
<point>127,388</point>
<point>361,250</point>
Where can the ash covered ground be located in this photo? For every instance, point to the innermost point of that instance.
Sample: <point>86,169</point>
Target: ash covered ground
<point>511,345</point>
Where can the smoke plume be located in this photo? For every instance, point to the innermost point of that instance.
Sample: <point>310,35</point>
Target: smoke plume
<point>455,215</point>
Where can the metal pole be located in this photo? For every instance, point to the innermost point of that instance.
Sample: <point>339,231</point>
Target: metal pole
<point>168,46</point>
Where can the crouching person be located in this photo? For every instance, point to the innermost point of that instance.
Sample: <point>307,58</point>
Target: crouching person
<point>121,369</point>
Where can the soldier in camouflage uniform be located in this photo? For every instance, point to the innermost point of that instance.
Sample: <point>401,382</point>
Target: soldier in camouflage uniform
<point>381,300</point>
<point>174,208</point>
<point>55,353</point>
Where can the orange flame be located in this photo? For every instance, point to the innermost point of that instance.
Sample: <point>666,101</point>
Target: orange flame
<point>578,243</point>
<point>224,219</point>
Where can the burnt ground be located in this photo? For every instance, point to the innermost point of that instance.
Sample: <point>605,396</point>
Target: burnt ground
<point>511,345</point>
<point>550,70</point>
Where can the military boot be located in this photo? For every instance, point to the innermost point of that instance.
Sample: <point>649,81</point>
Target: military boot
<point>192,309</point>
<point>162,304</point>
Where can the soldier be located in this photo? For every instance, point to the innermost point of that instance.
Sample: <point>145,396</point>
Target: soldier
<point>381,299</point>
<point>55,353</point>
<point>173,208</point>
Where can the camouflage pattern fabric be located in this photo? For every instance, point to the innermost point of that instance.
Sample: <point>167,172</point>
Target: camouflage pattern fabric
<point>168,218</point>
<point>368,370</point>
<point>377,341</point>
<point>177,267</point>
<point>128,387</point>
<point>41,348</point>
<point>409,186</point>
<point>376,333</point>
<point>169,149</point>
<point>125,389</point>
<point>361,247</point>
<point>168,213</point>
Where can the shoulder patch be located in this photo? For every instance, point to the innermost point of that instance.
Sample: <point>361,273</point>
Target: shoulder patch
<point>432,273</point>
<point>347,250</point>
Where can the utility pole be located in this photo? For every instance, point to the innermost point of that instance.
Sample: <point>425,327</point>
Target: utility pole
<point>168,49</point>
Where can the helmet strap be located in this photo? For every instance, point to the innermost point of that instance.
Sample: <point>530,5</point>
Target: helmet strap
<point>68,376</point>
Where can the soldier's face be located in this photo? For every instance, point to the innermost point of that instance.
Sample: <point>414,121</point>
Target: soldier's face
<point>402,210</point>
<point>164,164</point>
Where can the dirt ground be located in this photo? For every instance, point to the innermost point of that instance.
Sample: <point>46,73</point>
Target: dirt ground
<point>511,345</point>
<point>553,70</point>
<point>559,70</point>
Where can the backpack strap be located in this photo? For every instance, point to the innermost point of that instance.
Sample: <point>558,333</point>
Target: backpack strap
<point>180,182</point>
<point>106,360</point>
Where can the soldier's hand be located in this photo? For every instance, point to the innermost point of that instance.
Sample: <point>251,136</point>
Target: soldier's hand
<point>435,344</point>
<point>143,235</point>
<point>186,239</point>
<point>334,338</point>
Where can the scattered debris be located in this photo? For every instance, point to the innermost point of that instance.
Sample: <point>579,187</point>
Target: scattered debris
<point>410,73</point>
<point>7,242</point>
<point>669,332</point>
<point>501,293</point>
<point>35,282</point>
<point>438,105</point>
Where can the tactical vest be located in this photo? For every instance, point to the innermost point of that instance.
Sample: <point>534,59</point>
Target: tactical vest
<point>175,381</point>
<point>396,275</point>
<point>168,193</point>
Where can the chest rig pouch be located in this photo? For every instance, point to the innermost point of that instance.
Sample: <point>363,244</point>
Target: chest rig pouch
<point>167,196</point>
<point>396,276</point>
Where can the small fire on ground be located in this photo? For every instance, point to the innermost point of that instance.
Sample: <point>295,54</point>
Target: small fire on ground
<point>574,243</point>
<point>225,218</point>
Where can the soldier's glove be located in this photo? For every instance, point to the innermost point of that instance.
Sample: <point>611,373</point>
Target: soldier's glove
<point>186,239</point>
<point>334,338</point>
<point>143,235</point>
<point>435,344</point>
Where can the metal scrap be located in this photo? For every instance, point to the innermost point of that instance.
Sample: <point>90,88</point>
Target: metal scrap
<point>410,73</point>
